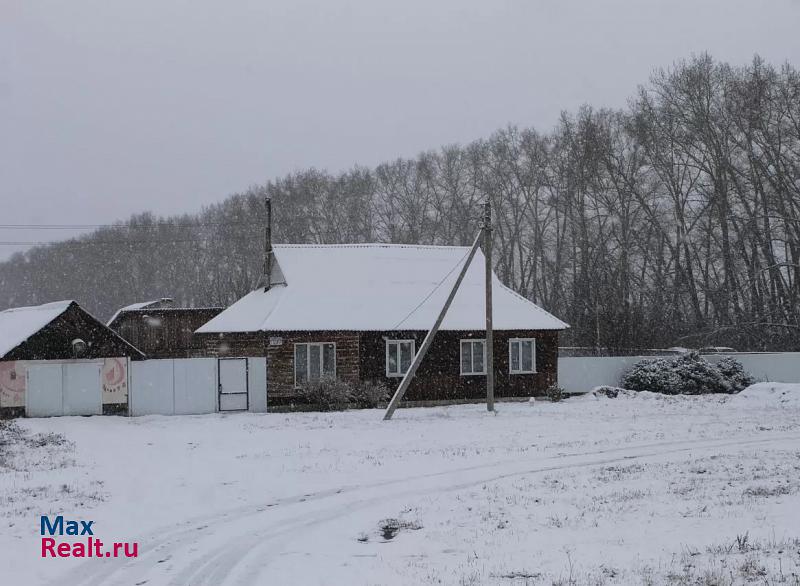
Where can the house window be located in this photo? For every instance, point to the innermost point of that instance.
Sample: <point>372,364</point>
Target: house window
<point>473,357</point>
<point>399,354</point>
<point>522,355</point>
<point>314,361</point>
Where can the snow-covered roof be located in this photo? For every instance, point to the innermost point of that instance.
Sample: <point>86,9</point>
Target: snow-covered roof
<point>20,323</point>
<point>132,307</point>
<point>376,287</point>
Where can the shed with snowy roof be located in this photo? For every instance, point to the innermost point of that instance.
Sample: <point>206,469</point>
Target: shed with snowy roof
<point>162,330</point>
<point>359,312</point>
<point>57,331</point>
<point>60,335</point>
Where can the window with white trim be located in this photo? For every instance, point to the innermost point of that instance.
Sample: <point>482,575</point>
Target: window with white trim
<point>313,361</point>
<point>473,357</point>
<point>522,355</point>
<point>399,355</point>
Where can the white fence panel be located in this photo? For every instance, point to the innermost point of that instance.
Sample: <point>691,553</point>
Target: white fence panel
<point>181,386</point>
<point>257,384</point>
<point>581,374</point>
<point>44,396</point>
<point>195,386</point>
<point>83,390</point>
<point>152,387</point>
<point>64,388</point>
<point>779,367</point>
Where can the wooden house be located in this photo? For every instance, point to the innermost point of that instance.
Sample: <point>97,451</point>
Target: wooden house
<point>359,312</point>
<point>160,330</point>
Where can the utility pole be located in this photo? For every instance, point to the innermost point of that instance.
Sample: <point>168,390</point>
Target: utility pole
<point>487,252</point>
<point>426,344</point>
<point>268,245</point>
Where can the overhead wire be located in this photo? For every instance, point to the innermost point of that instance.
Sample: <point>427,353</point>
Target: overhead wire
<point>122,226</point>
<point>439,284</point>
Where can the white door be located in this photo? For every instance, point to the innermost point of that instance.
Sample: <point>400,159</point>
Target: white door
<point>83,391</point>
<point>233,384</point>
<point>43,397</point>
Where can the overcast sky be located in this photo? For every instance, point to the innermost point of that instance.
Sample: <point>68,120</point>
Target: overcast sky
<point>109,108</point>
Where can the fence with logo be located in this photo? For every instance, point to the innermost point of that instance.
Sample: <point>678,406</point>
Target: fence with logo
<point>48,388</point>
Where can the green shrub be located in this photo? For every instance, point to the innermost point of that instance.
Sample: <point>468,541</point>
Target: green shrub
<point>733,370</point>
<point>327,394</point>
<point>555,393</point>
<point>687,374</point>
<point>369,395</point>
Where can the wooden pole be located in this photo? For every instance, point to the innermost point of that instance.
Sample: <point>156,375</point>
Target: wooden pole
<point>426,344</point>
<point>487,252</point>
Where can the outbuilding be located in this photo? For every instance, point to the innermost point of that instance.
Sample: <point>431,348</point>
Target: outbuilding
<point>160,329</point>
<point>57,359</point>
<point>359,312</point>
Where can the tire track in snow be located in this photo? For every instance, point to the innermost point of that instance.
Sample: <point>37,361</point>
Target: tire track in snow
<point>219,568</point>
<point>213,563</point>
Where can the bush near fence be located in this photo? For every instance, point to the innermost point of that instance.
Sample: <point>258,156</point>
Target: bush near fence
<point>687,374</point>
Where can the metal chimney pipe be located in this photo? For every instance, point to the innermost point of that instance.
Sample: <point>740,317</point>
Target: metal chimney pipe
<point>268,246</point>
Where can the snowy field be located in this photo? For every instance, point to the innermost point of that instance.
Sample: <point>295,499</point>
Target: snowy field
<point>632,490</point>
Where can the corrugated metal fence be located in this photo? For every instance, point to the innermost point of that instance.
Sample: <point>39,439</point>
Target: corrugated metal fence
<point>189,386</point>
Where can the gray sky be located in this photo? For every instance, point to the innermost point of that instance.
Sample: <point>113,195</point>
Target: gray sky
<point>109,108</point>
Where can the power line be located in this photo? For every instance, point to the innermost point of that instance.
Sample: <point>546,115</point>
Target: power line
<point>439,284</point>
<point>103,242</point>
<point>124,226</point>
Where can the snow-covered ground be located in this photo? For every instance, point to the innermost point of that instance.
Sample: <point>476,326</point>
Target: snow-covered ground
<point>643,489</point>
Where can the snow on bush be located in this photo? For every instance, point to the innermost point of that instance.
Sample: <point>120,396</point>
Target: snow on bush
<point>687,374</point>
<point>555,393</point>
<point>369,395</point>
<point>330,394</point>
<point>734,371</point>
<point>327,394</point>
<point>610,392</point>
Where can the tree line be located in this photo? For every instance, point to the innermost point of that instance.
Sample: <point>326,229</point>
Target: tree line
<point>673,221</point>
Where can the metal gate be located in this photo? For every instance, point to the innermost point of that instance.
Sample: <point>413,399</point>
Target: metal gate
<point>64,389</point>
<point>233,395</point>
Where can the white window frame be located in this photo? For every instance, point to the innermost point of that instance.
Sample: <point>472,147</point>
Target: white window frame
<point>461,356</point>
<point>390,342</point>
<point>533,358</point>
<point>308,355</point>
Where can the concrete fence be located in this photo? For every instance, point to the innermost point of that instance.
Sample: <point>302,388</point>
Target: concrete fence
<point>581,374</point>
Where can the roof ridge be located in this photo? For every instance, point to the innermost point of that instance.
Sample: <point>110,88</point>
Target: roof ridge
<point>145,309</point>
<point>373,245</point>
<point>42,307</point>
